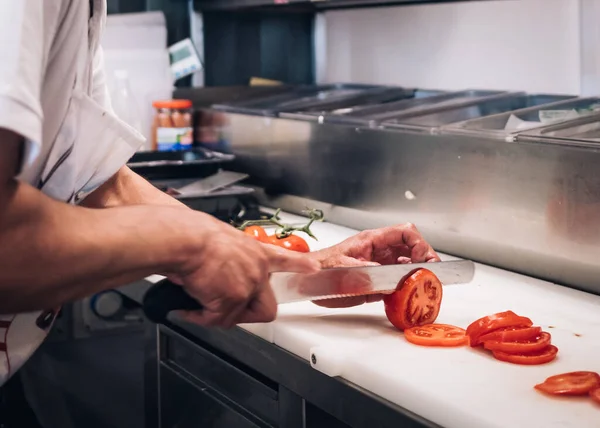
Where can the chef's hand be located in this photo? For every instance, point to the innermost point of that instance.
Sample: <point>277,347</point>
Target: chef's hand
<point>385,246</point>
<point>229,275</point>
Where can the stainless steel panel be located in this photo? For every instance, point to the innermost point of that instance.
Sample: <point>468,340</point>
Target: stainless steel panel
<point>506,125</point>
<point>531,208</point>
<point>429,121</point>
<point>582,132</point>
<point>295,99</point>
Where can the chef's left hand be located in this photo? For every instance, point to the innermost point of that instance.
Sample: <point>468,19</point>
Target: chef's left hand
<point>385,246</point>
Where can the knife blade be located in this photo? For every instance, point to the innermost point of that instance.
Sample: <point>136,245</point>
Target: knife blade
<point>166,296</point>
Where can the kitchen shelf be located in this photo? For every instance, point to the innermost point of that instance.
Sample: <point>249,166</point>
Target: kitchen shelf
<point>303,5</point>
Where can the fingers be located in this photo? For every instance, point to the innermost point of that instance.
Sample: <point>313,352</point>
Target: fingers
<point>282,260</point>
<point>263,308</point>
<point>406,239</point>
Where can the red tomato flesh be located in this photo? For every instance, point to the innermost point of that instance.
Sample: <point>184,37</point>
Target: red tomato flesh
<point>256,232</point>
<point>436,335</point>
<point>416,301</point>
<point>573,383</point>
<point>521,347</point>
<point>529,359</point>
<point>495,322</point>
<point>595,394</point>
<point>512,334</point>
<point>291,242</point>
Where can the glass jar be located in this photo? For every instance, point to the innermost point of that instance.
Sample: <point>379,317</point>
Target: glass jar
<point>172,125</point>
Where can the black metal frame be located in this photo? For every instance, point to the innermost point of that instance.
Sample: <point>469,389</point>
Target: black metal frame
<point>298,383</point>
<point>309,5</point>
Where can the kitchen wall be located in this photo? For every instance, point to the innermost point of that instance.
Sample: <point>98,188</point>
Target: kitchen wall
<point>533,45</point>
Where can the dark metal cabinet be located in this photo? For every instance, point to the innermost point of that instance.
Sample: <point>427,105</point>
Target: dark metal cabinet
<point>214,378</point>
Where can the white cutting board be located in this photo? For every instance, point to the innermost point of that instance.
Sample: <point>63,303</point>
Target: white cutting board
<point>455,388</point>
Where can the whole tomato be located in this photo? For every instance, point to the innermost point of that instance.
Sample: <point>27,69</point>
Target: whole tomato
<point>257,233</point>
<point>291,242</point>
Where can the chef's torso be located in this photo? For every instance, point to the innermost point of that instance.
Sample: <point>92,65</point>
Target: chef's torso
<point>53,93</point>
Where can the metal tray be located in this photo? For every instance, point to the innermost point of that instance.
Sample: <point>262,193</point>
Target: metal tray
<point>433,120</point>
<point>294,100</point>
<point>350,106</point>
<point>507,125</point>
<point>581,132</point>
<point>388,112</point>
<point>196,163</point>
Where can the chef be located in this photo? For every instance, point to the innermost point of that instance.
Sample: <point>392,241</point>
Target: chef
<point>74,220</point>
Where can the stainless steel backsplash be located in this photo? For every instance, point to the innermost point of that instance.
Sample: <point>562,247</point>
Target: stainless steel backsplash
<point>528,207</point>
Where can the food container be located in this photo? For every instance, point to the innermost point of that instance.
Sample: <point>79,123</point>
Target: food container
<point>508,125</point>
<point>433,119</point>
<point>296,99</point>
<point>195,163</point>
<point>423,101</point>
<point>172,128</point>
<point>581,132</point>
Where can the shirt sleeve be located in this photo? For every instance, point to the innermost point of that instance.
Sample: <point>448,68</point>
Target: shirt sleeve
<point>22,70</point>
<point>100,92</point>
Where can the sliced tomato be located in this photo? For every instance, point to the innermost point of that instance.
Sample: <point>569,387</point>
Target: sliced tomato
<point>595,394</point>
<point>529,359</point>
<point>520,347</point>
<point>257,233</point>
<point>573,383</point>
<point>416,301</point>
<point>495,322</point>
<point>436,335</point>
<point>291,242</point>
<point>512,334</point>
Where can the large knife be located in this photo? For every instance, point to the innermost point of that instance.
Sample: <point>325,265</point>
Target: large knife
<point>165,296</point>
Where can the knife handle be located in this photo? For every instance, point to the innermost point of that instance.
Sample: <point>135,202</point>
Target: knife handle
<point>164,297</point>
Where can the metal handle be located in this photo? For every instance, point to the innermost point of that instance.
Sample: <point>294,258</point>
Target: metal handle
<point>164,297</point>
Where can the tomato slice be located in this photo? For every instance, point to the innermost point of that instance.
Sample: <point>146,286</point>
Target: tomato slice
<point>416,301</point>
<point>436,335</point>
<point>495,322</point>
<point>291,242</point>
<point>529,359</point>
<point>512,334</point>
<point>256,232</point>
<point>595,394</point>
<point>519,347</point>
<point>573,383</point>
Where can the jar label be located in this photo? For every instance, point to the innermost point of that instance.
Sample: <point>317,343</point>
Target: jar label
<point>173,139</point>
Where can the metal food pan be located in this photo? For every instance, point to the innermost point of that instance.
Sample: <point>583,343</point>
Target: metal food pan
<point>434,119</point>
<point>387,111</point>
<point>506,125</point>
<point>300,97</point>
<point>583,132</point>
<point>196,163</point>
<point>340,105</point>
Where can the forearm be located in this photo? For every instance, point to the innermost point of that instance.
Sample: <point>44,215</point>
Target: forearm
<point>128,188</point>
<point>53,252</point>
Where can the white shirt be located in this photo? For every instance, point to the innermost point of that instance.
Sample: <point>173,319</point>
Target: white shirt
<point>53,93</point>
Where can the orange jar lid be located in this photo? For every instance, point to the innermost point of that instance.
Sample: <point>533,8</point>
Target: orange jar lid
<point>173,104</point>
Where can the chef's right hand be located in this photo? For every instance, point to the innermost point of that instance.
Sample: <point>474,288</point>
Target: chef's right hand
<point>229,276</point>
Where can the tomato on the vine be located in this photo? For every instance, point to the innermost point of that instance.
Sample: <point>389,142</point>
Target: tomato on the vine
<point>291,242</point>
<point>257,233</point>
<point>573,383</point>
<point>416,301</point>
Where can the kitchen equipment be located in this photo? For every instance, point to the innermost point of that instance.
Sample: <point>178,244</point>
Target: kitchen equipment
<point>193,163</point>
<point>445,113</point>
<point>208,185</point>
<point>505,126</point>
<point>297,98</point>
<point>582,132</point>
<point>166,296</point>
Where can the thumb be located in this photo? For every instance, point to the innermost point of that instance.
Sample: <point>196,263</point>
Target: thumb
<point>282,260</point>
